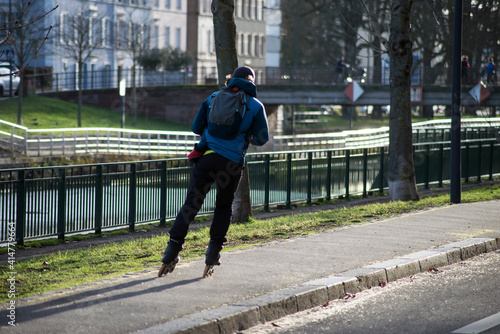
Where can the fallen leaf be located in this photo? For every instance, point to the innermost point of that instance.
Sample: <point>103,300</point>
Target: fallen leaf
<point>275,325</point>
<point>326,304</point>
<point>45,263</point>
<point>348,296</point>
<point>383,284</point>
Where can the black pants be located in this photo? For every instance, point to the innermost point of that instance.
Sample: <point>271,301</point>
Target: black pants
<point>208,169</point>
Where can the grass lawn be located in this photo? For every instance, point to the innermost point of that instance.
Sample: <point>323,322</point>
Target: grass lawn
<point>40,112</point>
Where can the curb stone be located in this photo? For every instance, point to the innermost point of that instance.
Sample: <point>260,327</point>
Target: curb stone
<point>277,304</point>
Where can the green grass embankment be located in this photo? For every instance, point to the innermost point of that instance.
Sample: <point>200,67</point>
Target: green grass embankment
<point>40,112</point>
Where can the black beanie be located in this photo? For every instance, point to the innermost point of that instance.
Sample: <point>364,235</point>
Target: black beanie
<point>243,72</point>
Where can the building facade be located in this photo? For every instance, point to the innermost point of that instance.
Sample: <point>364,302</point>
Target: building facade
<point>106,37</point>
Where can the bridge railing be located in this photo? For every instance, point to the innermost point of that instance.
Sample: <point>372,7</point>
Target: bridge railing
<point>12,138</point>
<point>107,79</point>
<point>45,202</point>
<point>435,130</point>
<point>56,142</point>
<point>19,140</point>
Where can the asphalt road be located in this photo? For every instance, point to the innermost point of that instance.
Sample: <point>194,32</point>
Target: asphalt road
<point>460,298</point>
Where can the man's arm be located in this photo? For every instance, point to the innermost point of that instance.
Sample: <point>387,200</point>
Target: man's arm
<point>260,129</point>
<point>200,121</point>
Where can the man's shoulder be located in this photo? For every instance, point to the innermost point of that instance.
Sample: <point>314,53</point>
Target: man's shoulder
<point>258,104</point>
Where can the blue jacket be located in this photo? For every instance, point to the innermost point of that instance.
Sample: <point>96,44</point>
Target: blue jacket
<point>490,68</point>
<point>254,124</point>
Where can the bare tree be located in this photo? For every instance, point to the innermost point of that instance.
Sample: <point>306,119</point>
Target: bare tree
<point>80,36</point>
<point>225,38</point>
<point>227,61</point>
<point>27,34</point>
<point>134,39</point>
<point>401,169</point>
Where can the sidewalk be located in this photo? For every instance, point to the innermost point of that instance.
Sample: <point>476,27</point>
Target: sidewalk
<point>264,282</point>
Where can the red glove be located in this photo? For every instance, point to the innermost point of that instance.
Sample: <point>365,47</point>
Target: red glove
<point>194,154</point>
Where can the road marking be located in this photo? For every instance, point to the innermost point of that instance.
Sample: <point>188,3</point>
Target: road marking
<point>480,326</point>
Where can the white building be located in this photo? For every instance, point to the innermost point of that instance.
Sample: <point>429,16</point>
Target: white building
<point>115,30</point>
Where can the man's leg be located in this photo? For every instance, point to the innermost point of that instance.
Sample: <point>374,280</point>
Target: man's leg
<point>199,186</point>
<point>227,179</point>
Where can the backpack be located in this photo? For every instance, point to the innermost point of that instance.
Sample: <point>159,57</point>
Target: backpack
<point>227,109</point>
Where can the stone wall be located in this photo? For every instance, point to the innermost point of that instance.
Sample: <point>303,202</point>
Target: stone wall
<point>177,104</point>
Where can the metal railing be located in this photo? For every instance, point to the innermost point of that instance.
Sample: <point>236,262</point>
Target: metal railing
<point>20,140</point>
<point>435,130</point>
<point>56,201</point>
<point>106,78</point>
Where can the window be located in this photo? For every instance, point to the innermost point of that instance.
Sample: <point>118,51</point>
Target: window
<point>249,47</point>
<point>242,44</point>
<point>262,45</point>
<point>122,34</point>
<point>108,33</point>
<point>146,36</point>
<point>4,19</point>
<point>205,6</point>
<point>167,4</point>
<point>256,45</point>
<point>167,37</point>
<point>209,42</point>
<point>178,38</point>
<point>136,34</point>
<point>237,8</point>
<point>252,9</point>
<point>95,31</point>
<point>179,5</point>
<point>258,15</point>
<point>65,28</point>
<point>155,37</point>
<point>244,8</point>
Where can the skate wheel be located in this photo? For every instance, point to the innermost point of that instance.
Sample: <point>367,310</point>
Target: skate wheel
<point>168,268</point>
<point>209,270</point>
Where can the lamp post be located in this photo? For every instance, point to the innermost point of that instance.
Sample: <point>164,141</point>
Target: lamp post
<point>455,145</point>
<point>123,89</point>
<point>11,94</point>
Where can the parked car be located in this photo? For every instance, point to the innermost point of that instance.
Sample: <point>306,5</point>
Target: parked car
<point>5,74</point>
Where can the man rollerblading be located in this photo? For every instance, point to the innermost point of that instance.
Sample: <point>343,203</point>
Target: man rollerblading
<point>219,159</point>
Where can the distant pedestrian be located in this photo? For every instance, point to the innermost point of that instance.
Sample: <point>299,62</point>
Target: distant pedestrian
<point>491,72</point>
<point>340,70</point>
<point>465,70</point>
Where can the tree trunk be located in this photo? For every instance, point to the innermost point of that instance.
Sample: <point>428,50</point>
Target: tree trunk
<point>377,76</point>
<point>225,38</point>
<point>401,169</point>
<point>227,61</point>
<point>20,93</point>
<point>242,204</point>
<point>134,95</point>
<point>80,93</point>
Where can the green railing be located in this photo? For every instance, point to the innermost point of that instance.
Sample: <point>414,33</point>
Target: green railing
<point>59,201</point>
